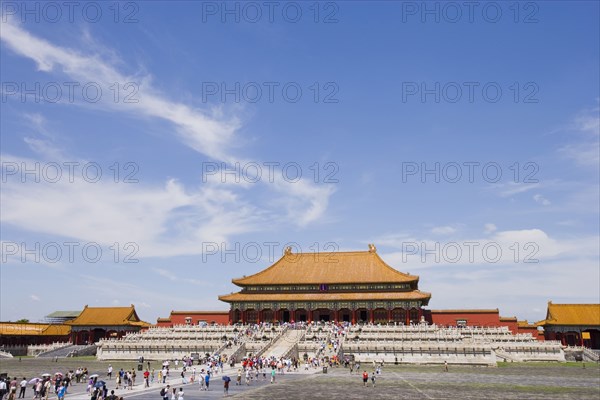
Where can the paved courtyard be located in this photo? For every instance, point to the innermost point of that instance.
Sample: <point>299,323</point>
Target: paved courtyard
<point>507,381</point>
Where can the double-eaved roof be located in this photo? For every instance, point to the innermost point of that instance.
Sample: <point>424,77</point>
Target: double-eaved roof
<point>327,268</point>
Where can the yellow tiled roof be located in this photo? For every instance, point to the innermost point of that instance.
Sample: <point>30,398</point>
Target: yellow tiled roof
<point>326,268</point>
<point>108,316</point>
<point>14,329</point>
<point>572,314</point>
<point>414,295</point>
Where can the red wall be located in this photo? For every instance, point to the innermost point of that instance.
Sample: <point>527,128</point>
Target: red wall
<point>178,318</point>
<point>473,317</point>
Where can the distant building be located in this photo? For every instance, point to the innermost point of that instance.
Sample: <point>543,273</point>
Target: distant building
<point>60,317</point>
<point>194,318</point>
<point>95,323</point>
<point>573,324</point>
<point>17,334</point>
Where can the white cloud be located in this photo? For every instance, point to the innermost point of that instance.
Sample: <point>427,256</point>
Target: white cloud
<point>489,228</point>
<point>34,297</point>
<point>201,131</point>
<point>585,150</point>
<point>168,220</point>
<point>511,188</point>
<point>541,199</point>
<point>503,248</point>
<point>443,230</point>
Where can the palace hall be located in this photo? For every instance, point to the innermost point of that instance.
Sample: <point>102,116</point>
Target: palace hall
<point>353,286</point>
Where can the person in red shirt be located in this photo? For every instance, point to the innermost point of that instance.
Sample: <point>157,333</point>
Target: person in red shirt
<point>146,378</point>
<point>365,377</point>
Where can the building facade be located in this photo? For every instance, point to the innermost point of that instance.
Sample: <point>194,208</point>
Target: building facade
<point>573,324</point>
<point>356,286</point>
<point>194,318</point>
<point>95,323</point>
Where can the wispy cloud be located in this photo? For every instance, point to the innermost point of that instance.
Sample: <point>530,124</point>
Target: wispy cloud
<point>443,230</point>
<point>585,149</point>
<point>200,130</point>
<point>541,199</point>
<point>167,220</point>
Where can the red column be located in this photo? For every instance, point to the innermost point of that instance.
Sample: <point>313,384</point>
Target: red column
<point>243,316</point>
<point>407,317</point>
<point>353,316</point>
<point>371,315</point>
<point>293,315</point>
<point>389,315</point>
<point>420,314</point>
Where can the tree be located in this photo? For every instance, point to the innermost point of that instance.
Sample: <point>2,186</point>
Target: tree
<point>22,321</point>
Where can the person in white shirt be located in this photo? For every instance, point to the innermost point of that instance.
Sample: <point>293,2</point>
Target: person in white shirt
<point>23,386</point>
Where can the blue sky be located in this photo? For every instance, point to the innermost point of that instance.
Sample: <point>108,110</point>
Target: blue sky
<point>388,91</point>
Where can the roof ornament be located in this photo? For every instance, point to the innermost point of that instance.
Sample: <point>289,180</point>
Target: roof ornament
<point>372,248</point>
<point>288,250</point>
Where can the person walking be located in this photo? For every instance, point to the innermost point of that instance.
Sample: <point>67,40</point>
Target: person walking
<point>180,394</point>
<point>207,380</point>
<point>373,379</point>
<point>226,387</point>
<point>365,378</point>
<point>23,386</point>
<point>61,392</point>
<point>165,392</point>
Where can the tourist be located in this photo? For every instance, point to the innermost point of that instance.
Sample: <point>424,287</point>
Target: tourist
<point>61,392</point>
<point>373,378</point>
<point>146,378</point>
<point>239,377</point>
<point>112,396</point>
<point>12,390</point>
<point>38,389</point>
<point>180,394</point>
<point>110,371</point>
<point>152,376</point>
<point>226,386</point>
<point>445,366</point>
<point>23,386</point>
<point>365,378</point>
<point>273,374</point>
<point>3,388</point>
<point>207,379</point>
<point>201,380</point>
<point>165,392</point>
<point>46,389</point>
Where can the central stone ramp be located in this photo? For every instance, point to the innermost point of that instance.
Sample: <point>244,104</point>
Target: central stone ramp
<point>282,346</point>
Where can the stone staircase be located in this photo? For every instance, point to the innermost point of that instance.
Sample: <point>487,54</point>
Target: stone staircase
<point>282,346</point>
<point>69,351</point>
